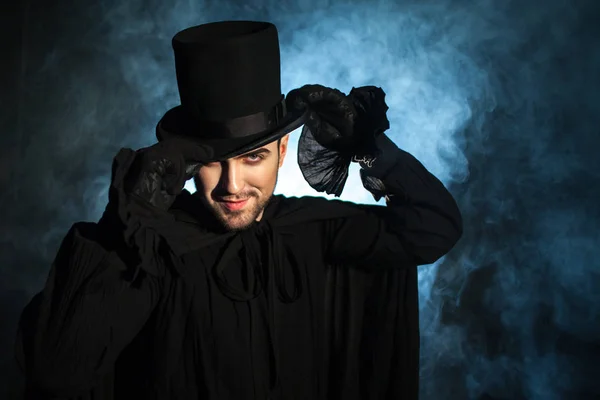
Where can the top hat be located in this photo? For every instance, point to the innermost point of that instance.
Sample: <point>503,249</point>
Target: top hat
<point>228,76</point>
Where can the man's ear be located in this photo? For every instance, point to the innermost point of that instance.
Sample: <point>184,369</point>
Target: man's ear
<point>283,146</point>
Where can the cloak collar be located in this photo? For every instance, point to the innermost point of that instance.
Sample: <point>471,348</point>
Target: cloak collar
<point>189,227</point>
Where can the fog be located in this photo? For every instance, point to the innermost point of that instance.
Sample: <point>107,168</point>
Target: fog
<point>497,99</point>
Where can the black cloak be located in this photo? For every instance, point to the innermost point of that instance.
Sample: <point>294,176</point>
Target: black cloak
<point>318,300</point>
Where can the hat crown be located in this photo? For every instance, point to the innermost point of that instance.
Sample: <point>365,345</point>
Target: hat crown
<point>228,69</point>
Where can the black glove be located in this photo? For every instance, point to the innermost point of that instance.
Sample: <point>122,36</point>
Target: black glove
<point>143,187</point>
<point>159,172</point>
<point>331,115</point>
<point>376,166</point>
<point>338,129</point>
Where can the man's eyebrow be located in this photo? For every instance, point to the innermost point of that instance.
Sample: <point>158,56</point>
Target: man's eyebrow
<point>253,152</point>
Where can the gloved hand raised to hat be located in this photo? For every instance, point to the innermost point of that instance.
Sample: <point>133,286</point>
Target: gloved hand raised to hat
<point>339,129</point>
<point>143,187</point>
<point>340,122</point>
<point>159,172</point>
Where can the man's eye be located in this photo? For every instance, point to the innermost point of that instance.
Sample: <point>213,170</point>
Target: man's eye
<point>255,157</point>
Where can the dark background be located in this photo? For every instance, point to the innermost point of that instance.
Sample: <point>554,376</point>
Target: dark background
<point>500,99</point>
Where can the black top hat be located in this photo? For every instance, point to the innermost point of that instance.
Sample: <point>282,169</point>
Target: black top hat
<point>228,74</point>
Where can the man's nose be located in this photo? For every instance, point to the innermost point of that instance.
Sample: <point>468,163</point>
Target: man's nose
<point>231,179</point>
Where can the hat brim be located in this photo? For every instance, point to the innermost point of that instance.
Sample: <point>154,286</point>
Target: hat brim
<point>176,123</point>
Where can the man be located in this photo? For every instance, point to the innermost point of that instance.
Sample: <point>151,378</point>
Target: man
<point>233,292</point>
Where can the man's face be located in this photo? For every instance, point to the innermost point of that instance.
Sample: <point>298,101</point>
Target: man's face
<point>237,190</point>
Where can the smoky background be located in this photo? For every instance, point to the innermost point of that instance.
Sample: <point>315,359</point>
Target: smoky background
<point>499,99</point>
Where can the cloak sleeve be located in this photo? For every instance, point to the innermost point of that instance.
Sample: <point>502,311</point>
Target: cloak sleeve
<point>420,224</point>
<point>72,332</point>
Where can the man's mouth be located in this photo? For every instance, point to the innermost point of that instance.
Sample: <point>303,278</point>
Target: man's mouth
<point>234,205</point>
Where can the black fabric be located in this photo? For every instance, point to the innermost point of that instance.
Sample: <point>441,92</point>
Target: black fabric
<point>338,129</point>
<point>318,300</point>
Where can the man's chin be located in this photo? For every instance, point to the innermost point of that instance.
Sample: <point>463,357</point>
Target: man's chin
<point>236,220</point>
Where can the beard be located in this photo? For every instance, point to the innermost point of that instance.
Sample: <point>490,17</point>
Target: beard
<point>239,220</point>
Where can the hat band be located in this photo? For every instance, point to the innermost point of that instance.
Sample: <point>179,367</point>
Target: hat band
<point>244,126</point>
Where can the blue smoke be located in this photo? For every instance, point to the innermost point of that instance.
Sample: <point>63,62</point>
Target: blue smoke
<point>497,99</point>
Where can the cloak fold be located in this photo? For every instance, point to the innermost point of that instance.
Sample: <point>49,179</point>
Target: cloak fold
<point>372,334</point>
